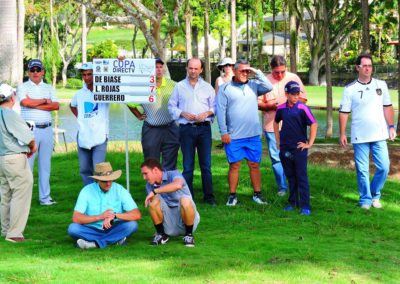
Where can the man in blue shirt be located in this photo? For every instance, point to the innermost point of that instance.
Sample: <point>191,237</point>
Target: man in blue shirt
<point>170,203</point>
<point>105,212</point>
<point>239,125</point>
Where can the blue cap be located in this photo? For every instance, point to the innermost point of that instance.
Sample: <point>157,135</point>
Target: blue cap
<point>86,66</point>
<point>292,87</point>
<point>35,63</point>
<point>159,60</point>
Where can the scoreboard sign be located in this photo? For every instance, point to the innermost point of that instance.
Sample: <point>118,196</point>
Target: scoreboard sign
<point>124,81</point>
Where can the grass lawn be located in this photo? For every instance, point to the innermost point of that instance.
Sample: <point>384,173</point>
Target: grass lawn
<point>338,243</point>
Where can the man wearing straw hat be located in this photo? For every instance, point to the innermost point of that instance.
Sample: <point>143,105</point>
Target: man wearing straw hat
<point>105,213</point>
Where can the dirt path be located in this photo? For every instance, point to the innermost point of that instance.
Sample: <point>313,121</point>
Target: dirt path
<point>335,156</point>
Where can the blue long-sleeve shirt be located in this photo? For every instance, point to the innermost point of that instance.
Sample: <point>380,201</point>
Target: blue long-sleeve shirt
<point>237,106</point>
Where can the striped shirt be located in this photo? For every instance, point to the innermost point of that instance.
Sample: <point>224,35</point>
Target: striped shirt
<point>36,91</point>
<point>157,113</point>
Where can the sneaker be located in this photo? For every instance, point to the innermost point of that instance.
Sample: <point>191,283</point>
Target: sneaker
<point>259,199</point>
<point>281,192</point>
<point>365,206</point>
<point>232,200</point>
<point>83,244</point>
<point>16,240</point>
<point>188,241</point>
<point>159,240</point>
<point>121,242</point>
<point>288,208</point>
<point>305,212</point>
<point>376,203</point>
<point>48,203</point>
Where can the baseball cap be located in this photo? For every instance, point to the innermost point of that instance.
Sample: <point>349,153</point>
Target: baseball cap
<point>158,60</point>
<point>292,87</point>
<point>5,92</point>
<point>86,66</point>
<point>35,63</point>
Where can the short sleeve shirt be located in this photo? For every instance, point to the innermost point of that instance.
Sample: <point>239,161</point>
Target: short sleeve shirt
<point>93,201</point>
<point>366,103</point>
<point>172,198</point>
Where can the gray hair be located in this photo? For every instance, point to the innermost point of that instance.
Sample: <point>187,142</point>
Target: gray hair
<point>240,62</point>
<point>277,60</point>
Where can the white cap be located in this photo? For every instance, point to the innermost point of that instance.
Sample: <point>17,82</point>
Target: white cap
<point>5,92</point>
<point>86,66</point>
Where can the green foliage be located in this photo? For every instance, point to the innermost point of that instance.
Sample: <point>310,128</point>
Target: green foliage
<point>74,83</point>
<point>104,49</point>
<point>51,57</point>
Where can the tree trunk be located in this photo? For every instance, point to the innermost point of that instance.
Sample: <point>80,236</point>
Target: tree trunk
<point>206,44</point>
<point>52,34</point>
<point>188,30</point>
<point>135,31</point>
<point>314,70</point>
<point>195,41</point>
<point>20,41</point>
<point>40,40</point>
<point>64,73</point>
<point>233,30</point>
<point>329,104</point>
<point>8,43</point>
<point>273,27</point>
<point>293,37</point>
<point>365,27</point>
<point>84,34</point>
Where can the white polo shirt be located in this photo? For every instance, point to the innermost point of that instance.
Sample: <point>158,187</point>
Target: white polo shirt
<point>93,119</point>
<point>366,103</point>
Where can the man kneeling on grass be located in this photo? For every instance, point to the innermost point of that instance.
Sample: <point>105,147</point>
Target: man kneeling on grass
<point>171,206</point>
<point>105,213</point>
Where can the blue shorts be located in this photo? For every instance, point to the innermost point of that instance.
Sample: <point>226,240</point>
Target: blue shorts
<point>245,148</point>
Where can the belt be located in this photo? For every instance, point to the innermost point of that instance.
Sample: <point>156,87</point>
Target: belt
<point>195,124</point>
<point>159,126</point>
<point>43,125</point>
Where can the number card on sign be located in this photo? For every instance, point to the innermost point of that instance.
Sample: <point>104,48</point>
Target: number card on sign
<point>124,81</point>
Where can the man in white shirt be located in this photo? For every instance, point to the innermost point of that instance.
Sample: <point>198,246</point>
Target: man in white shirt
<point>369,102</point>
<point>192,106</point>
<point>93,120</point>
<point>38,100</point>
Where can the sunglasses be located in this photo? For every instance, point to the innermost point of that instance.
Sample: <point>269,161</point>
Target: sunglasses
<point>37,70</point>
<point>245,71</point>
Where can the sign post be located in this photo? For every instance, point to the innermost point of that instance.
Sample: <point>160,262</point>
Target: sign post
<point>124,81</point>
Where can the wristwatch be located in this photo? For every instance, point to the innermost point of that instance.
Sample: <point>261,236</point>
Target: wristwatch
<point>154,191</point>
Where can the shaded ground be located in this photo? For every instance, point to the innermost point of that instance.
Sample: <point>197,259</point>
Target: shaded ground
<point>335,156</point>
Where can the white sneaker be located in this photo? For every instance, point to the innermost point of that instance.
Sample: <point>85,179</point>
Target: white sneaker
<point>365,206</point>
<point>121,242</point>
<point>83,244</point>
<point>259,199</point>
<point>48,203</point>
<point>232,200</point>
<point>376,203</point>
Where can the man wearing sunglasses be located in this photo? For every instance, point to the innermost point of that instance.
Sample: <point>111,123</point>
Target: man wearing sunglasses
<point>239,125</point>
<point>38,100</point>
<point>268,103</point>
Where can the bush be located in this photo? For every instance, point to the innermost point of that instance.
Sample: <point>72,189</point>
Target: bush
<point>74,83</point>
<point>104,49</point>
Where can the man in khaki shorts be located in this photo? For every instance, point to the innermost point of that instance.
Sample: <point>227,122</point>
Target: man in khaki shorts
<point>16,181</point>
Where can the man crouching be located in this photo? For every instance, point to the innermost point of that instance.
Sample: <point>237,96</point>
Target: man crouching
<point>171,206</point>
<point>105,213</point>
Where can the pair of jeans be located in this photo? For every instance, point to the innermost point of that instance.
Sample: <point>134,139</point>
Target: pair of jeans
<point>369,191</point>
<point>277,168</point>
<point>197,137</point>
<point>88,160</point>
<point>103,237</point>
<point>294,163</point>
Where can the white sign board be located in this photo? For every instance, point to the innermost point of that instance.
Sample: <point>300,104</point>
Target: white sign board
<point>124,81</point>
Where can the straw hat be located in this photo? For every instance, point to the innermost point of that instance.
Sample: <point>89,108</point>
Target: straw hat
<point>104,172</point>
<point>225,61</point>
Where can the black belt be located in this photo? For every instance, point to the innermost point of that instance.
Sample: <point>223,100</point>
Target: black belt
<point>195,124</point>
<point>43,125</point>
<point>159,126</point>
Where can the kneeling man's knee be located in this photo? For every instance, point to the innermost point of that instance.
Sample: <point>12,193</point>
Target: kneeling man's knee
<point>186,202</point>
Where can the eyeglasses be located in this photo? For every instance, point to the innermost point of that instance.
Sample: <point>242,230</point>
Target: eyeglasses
<point>37,70</point>
<point>279,72</point>
<point>365,66</point>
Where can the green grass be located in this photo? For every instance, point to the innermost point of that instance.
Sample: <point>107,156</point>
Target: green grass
<point>338,243</point>
<point>317,96</point>
<point>99,34</point>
